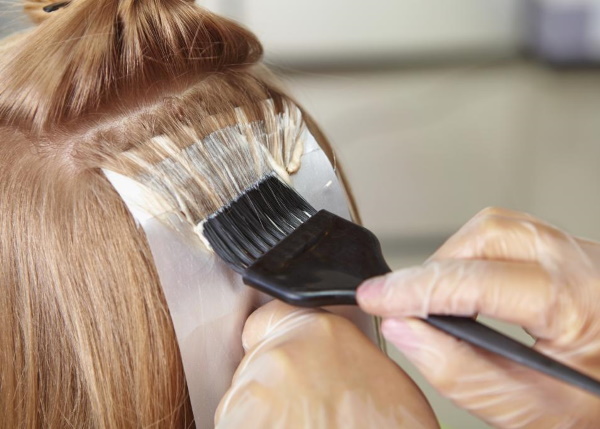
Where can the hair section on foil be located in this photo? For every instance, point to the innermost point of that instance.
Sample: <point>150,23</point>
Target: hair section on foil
<point>197,175</point>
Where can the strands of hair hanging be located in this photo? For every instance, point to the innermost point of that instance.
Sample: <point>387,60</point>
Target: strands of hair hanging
<point>85,334</point>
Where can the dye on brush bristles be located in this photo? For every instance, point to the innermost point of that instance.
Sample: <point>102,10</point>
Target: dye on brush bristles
<point>197,175</point>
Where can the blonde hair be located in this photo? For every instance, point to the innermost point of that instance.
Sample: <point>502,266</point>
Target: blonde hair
<point>85,334</point>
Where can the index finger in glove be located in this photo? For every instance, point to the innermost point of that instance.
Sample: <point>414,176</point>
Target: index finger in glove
<point>520,293</point>
<point>496,233</point>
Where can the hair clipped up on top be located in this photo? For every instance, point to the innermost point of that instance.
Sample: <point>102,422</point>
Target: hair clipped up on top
<point>96,51</point>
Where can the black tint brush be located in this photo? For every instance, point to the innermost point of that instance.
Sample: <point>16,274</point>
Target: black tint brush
<point>282,246</point>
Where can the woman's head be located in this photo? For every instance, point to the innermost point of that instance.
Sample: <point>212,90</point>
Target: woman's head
<point>85,334</point>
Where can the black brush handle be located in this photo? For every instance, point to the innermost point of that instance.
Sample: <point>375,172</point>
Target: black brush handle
<point>325,260</point>
<point>493,341</point>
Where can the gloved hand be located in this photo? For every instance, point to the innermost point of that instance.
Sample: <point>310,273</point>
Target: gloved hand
<point>312,369</point>
<point>513,267</point>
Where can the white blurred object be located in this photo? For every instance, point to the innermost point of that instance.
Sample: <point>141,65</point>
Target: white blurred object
<point>337,30</point>
<point>234,9</point>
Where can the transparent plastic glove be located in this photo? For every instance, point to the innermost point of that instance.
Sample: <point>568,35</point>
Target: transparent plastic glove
<point>312,369</point>
<point>512,267</point>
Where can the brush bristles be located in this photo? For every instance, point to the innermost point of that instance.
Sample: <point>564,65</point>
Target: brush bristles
<point>255,222</point>
<point>198,175</point>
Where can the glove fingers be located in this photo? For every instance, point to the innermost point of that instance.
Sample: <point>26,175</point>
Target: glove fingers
<point>501,392</point>
<point>499,234</point>
<point>518,293</point>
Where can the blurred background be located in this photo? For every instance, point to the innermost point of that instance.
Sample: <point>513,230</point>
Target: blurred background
<point>438,109</point>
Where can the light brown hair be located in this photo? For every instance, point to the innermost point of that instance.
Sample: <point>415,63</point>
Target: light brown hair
<point>85,334</point>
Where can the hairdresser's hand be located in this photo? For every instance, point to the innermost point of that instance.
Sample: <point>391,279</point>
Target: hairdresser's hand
<point>311,369</point>
<point>512,267</point>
